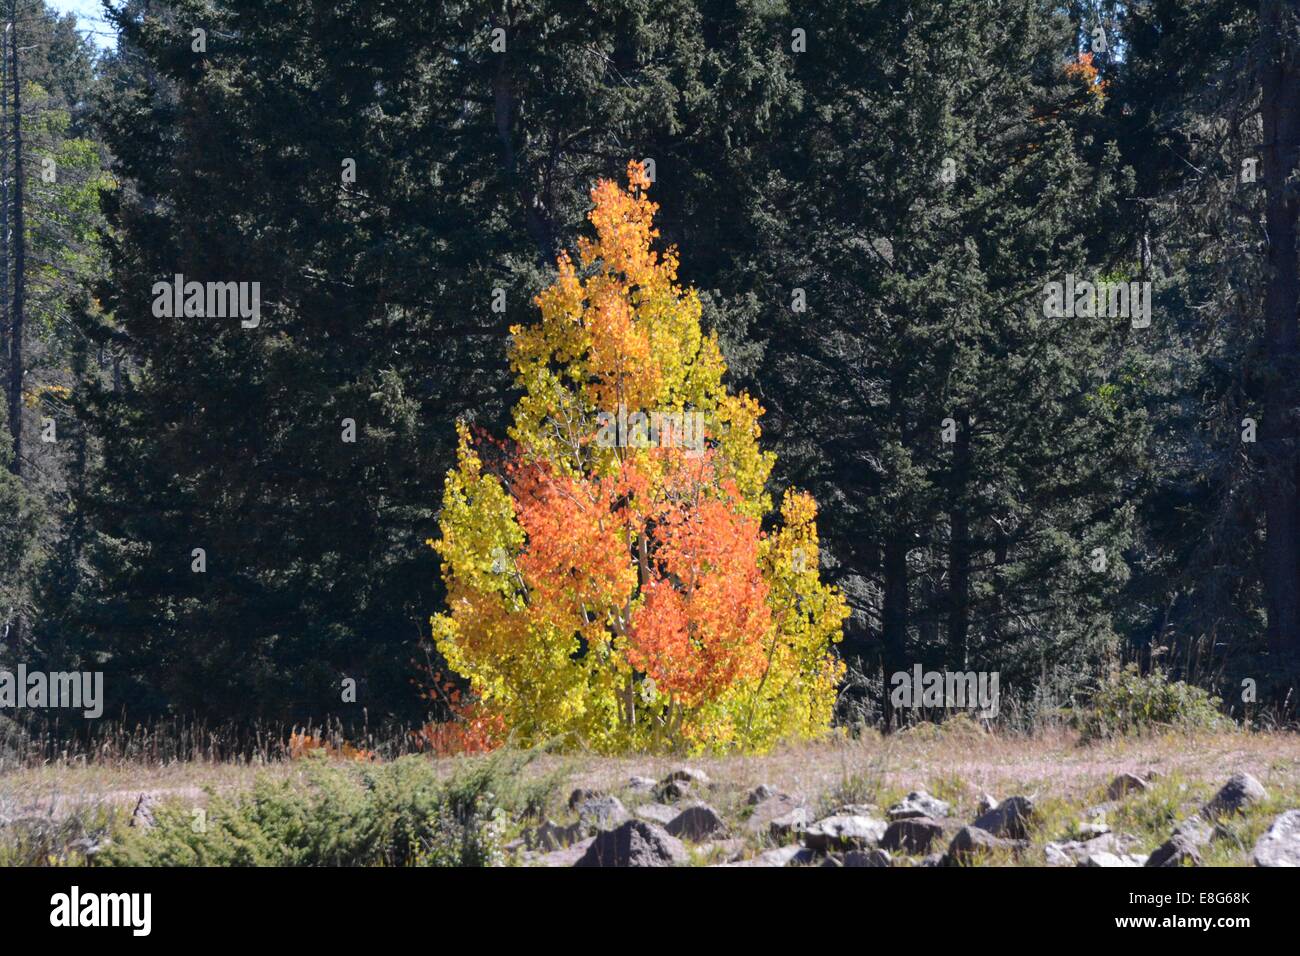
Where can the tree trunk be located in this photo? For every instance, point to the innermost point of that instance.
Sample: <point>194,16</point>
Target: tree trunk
<point>959,548</point>
<point>1280,109</point>
<point>19,240</point>
<point>4,208</point>
<point>894,620</point>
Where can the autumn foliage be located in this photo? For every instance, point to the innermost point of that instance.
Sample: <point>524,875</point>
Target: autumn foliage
<point>302,744</point>
<point>623,593</point>
<point>1084,71</point>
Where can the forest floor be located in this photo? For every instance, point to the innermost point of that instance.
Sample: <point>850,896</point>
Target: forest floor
<point>1067,781</point>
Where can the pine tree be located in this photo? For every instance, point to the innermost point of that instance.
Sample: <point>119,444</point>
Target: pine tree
<point>398,185</point>
<point>970,453</point>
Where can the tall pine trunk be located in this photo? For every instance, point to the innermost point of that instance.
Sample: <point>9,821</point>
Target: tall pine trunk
<point>894,619</point>
<point>19,242</point>
<point>959,548</point>
<point>1280,108</point>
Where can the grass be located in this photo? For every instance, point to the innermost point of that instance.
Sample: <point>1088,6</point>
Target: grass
<point>81,800</point>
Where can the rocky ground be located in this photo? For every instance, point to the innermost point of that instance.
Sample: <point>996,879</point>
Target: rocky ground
<point>673,822</point>
<point>930,798</point>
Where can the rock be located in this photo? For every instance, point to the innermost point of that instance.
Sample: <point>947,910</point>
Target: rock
<point>582,795</point>
<point>550,836</point>
<point>672,790</point>
<point>659,813</point>
<point>783,856</point>
<point>844,832</point>
<point>1241,791</point>
<point>729,850</point>
<point>1057,855</point>
<point>142,815</point>
<point>1109,859</point>
<point>854,810</point>
<point>911,835</point>
<point>1125,784</point>
<point>640,784</point>
<point>1280,845</point>
<point>934,859</point>
<point>788,826</point>
<point>569,856</point>
<point>1195,831</point>
<point>918,803</point>
<point>874,858</point>
<point>1009,819</point>
<point>859,858</point>
<point>696,823</point>
<point>759,794</point>
<point>1076,852</point>
<point>634,843</point>
<point>1175,852</point>
<point>971,842</point>
<point>1090,831</point>
<point>804,857</point>
<point>602,812</point>
<point>1097,814</point>
<point>89,847</point>
<point>696,778</point>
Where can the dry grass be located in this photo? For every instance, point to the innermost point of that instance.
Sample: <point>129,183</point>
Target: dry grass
<point>957,765</point>
<point>951,764</point>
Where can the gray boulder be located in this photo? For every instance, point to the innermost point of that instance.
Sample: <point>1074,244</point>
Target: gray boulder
<point>1241,791</point>
<point>696,823</point>
<point>784,856</point>
<point>634,843</point>
<point>1280,845</point>
<point>844,832</point>
<point>551,836</point>
<point>973,842</point>
<point>601,812</point>
<point>1010,819</point>
<point>1076,852</point>
<point>1181,849</point>
<point>639,784</point>
<point>789,825</point>
<point>582,795</point>
<point>142,816</point>
<point>696,778</point>
<point>1125,784</point>
<point>875,858</point>
<point>568,856</point>
<point>911,835</point>
<point>659,813</point>
<point>1110,860</point>
<point>670,791</point>
<point>918,803</point>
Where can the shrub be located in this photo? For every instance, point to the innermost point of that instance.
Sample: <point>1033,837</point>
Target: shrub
<point>43,840</point>
<point>397,814</point>
<point>1129,702</point>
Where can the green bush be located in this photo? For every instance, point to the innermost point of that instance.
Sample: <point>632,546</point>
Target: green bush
<point>397,814</point>
<point>44,840</point>
<point>1130,703</point>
